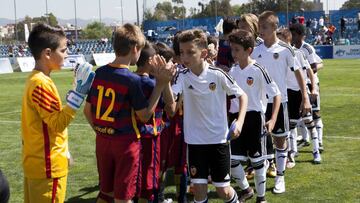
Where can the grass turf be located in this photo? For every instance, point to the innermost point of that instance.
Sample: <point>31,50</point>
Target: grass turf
<point>335,180</point>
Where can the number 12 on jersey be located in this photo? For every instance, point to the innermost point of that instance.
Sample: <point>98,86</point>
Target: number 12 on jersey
<point>109,92</point>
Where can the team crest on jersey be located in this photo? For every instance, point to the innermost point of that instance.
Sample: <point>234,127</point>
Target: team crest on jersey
<point>212,86</point>
<point>193,170</point>
<point>276,55</point>
<point>250,81</point>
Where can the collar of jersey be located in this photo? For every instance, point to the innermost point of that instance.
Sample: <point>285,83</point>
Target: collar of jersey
<point>118,66</point>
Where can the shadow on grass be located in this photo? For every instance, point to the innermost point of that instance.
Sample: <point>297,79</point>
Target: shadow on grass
<point>86,190</point>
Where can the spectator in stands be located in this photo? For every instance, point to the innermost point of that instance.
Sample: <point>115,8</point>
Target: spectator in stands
<point>301,18</point>
<point>11,51</point>
<point>308,26</point>
<point>342,26</point>
<point>358,25</point>
<point>294,20</point>
<point>321,21</point>
<point>314,25</point>
<point>331,31</point>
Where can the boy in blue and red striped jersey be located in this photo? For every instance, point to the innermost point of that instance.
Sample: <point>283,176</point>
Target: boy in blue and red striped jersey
<point>150,131</point>
<point>113,101</point>
<point>173,146</point>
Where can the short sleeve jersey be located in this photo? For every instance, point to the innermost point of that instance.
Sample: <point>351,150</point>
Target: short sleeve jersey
<point>204,103</point>
<point>224,54</point>
<point>114,96</point>
<point>311,56</point>
<point>277,60</point>
<point>303,65</point>
<point>44,128</point>
<point>256,83</point>
<point>155,124</point>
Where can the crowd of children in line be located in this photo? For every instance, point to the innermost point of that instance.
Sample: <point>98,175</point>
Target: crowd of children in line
<point>205,106</point>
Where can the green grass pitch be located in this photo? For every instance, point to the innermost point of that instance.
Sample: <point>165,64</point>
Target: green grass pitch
<point>337,179</point>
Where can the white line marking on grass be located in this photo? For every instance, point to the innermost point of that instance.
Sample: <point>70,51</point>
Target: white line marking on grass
<point>74,124</point>
<point>344,138</point>
<point>9,112</point>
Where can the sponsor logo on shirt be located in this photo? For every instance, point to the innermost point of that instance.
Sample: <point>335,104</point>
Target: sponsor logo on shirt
<point>276,55</point>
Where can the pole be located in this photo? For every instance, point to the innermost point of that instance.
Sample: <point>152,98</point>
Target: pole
<point>100,10</point>
<point>122,12</point>
<point>47,12</point>
<point>215,12</point>
<point>15,27</point>
<point>76,33</point>
<point>287,12</point>
<point>137,13</point>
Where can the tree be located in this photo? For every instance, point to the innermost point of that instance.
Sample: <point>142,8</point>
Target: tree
<point>258,6</point>
<point>351,4</point>
<point>166,11</point>
<point>96,30</point>
<point>214,8</point>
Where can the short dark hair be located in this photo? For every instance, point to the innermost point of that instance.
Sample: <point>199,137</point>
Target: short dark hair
<point>285,33</point>
<point>298,29</point>
<point>147,52</point>
<point>229,25</point>
<point>212,40</point>
<point>175,45</point>
<point>164,50</point>
<point>243,38</point>
<point>195,35</point>
<point>44,36</point>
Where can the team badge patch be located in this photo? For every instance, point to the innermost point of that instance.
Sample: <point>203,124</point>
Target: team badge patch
<point>212,86</point>
<point>193,170</point>
<point>276,55</point>
<point>250,81</point>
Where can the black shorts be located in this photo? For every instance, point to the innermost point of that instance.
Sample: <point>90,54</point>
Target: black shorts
<point>252,141</point>
<point>212,159</point>
<point>281,128</point>
<point>315,104</point>
<point>294,103</point>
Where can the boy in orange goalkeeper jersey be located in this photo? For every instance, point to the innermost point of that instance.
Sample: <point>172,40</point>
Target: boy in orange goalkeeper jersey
<point>44,119</point>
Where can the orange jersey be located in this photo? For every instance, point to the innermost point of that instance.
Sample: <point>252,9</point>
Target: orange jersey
<point>44,132</point>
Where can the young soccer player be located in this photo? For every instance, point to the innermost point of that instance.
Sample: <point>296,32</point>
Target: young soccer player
<point>294,102</point>
<point>224,58</point>
<point>257,84</point>
<point>249,22</point>
<point>298,33</point>
<point>278,58</point>
<point>204,90</point>
<point>114,100</point>
<point>44,120</point>
<point>150,132</point>
<point>174,149</point>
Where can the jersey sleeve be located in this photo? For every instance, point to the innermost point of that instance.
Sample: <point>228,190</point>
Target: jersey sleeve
<point>229,85</point>
<point>137,98</point>
<point>46,102</point>
<point>271,87</point>
<point>177,86</point>
<point>290,59</point>
<point>310,54</point>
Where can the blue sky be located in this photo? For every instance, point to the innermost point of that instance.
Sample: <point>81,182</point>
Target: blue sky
<point>89,9</point>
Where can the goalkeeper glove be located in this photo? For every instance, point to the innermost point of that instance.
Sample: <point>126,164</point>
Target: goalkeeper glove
<point>84,77</point>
